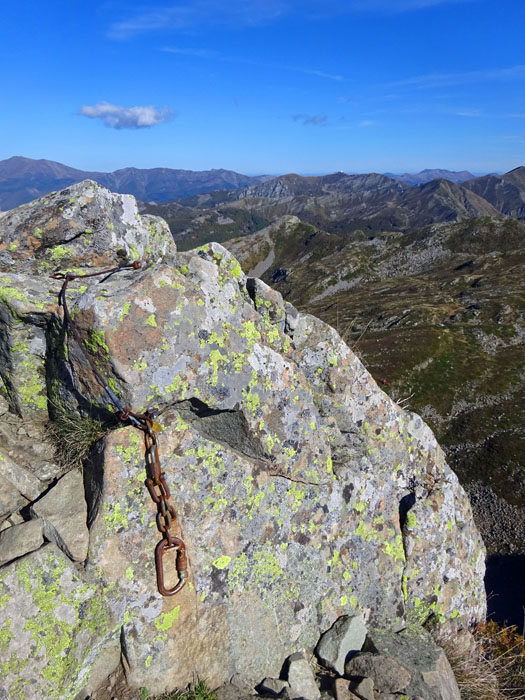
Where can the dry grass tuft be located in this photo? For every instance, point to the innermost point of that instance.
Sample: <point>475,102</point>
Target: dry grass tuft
<point>491,666</point>
<point>73,436</point>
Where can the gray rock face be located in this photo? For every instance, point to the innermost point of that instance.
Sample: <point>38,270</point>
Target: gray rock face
<point>63,510</point>
<point>347,634</point>
<point>301,679</point>
<point>20,539</point>
<point>286,463</point>
<point>51,627</point>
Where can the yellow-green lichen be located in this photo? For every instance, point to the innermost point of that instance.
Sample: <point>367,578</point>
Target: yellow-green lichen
<point>165,620</point>
<point>114,517</point>
<point>96,340</point>
<point>222,562</point>
<point>125,310</point>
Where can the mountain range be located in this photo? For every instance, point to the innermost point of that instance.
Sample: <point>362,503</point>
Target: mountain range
<point>341,203</point>
<point>25,179</point>
<point>432,174</point>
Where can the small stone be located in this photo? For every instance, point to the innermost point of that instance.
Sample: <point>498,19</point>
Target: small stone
<point>342,690</point>
<point>13,519</point>
<point>365,689</point>
<point>347,634</point>
<point>388,675</point>
<point>64,512</point>
<point>20,539</point>
<point>274,686</point>
<point>301,679</point>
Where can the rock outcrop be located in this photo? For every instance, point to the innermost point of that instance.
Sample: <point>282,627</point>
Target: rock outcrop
<point>303,492</point>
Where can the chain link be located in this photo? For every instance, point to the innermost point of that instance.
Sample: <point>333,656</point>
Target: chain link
<point>156,478</point>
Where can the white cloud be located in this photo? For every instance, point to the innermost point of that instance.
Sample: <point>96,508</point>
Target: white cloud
<point>198,13</point>
<point>432,80</point>
<point>215,56</point>
<point>197,53</point>
<point>117,117</point>
<point>306,119</point>
<point>319,74</point>
<point>239,14</point>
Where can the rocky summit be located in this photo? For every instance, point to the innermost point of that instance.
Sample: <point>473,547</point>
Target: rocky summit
<point>304,494</point>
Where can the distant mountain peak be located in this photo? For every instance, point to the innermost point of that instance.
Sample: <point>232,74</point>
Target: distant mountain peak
<point>24,179</point>
<point>429,174</point>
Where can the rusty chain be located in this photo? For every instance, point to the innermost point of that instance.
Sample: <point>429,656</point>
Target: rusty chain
<point>145,422</point>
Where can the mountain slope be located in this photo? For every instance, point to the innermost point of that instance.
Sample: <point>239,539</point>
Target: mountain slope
<point>25,179</point>
<point>505,192</point>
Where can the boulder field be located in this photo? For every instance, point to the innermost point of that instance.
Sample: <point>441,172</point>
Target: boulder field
<point>304,494</point>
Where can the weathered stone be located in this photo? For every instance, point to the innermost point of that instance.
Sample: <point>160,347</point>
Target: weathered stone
<point>22,478</point>
<point>441,679</point>
<point>64,512</point>
<point>347,634</point>
<point>388,675</point>
<point>13,519</point>
<point>52,626</point>
<point>364,689</point>
<point>273,686</point>
<point>27,444</point>
<point>342,690</point>
<point>11,499</point>
<point>432,676</point>
<point>301,679</point>
<point>20,539</point>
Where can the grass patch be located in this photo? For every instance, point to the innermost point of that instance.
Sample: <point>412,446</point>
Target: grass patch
<point>73,436</point>
<point>491,666</point>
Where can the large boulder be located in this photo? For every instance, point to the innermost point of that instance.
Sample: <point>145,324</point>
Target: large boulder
<point>303,492</point>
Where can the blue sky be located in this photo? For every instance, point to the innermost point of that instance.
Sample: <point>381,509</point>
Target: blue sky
<point>265,86</point>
